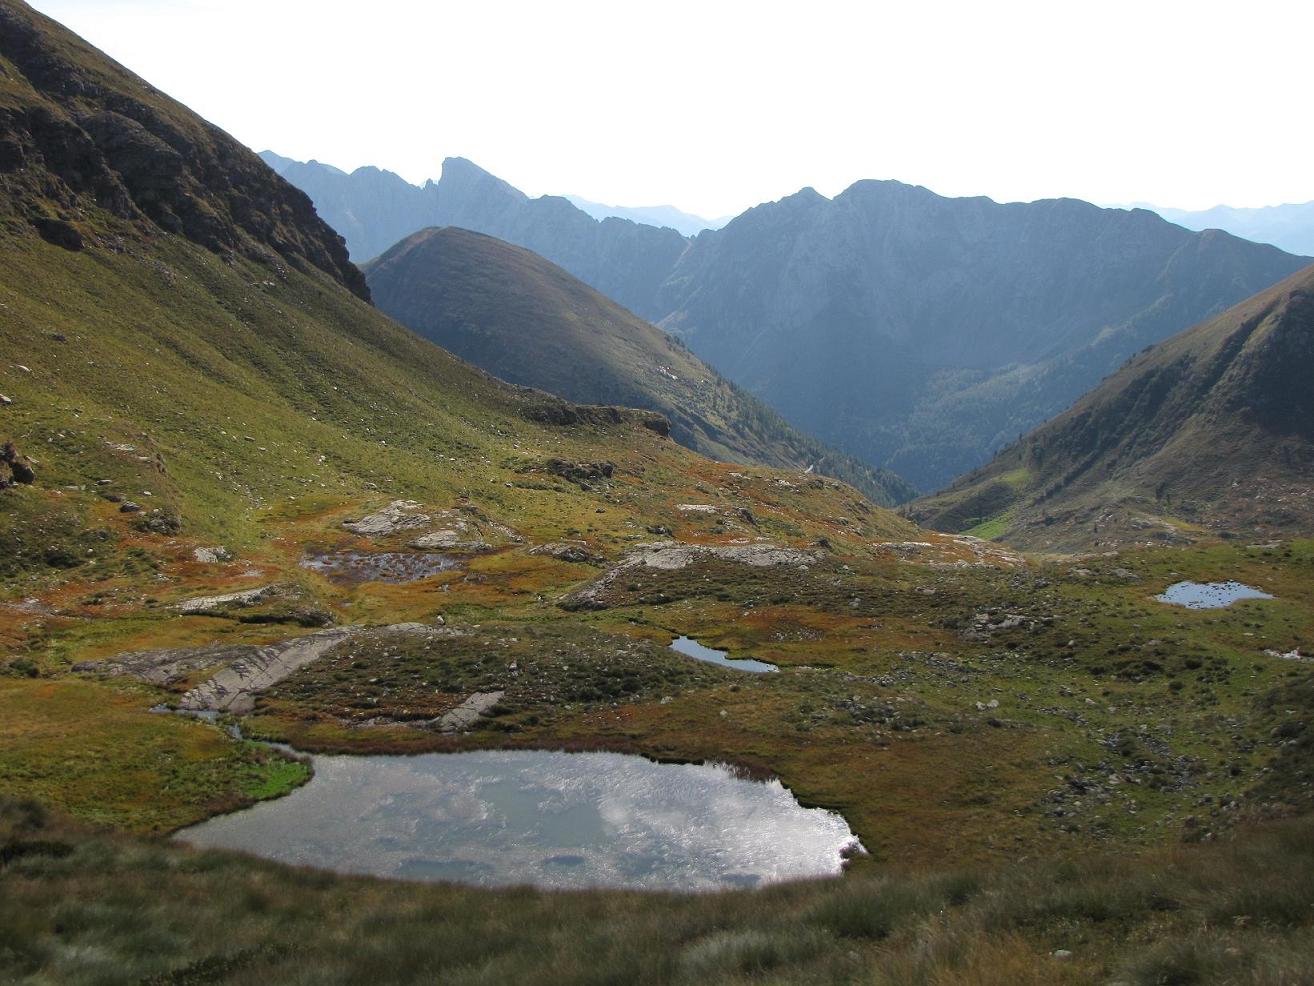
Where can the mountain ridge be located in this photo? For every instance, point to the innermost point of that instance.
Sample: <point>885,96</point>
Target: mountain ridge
<point>915,332</point>
<point>530,322</point>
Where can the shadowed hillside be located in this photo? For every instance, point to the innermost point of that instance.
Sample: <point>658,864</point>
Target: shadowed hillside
<point>527,321</point>
<point>1211,431</point>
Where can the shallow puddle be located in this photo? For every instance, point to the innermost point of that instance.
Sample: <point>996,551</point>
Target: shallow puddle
<point>382,566</point>
<point>561,820</point>
<point>1208,595</point>
<point>692,648</point>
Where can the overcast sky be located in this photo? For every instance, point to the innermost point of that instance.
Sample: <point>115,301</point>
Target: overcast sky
<point>717,105</point>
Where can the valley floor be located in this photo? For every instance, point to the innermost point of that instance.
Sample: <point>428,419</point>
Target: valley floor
<point>1039,755</point>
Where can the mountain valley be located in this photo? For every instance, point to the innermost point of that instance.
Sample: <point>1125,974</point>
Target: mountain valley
<point>250,526</point>
<point>917,333</point>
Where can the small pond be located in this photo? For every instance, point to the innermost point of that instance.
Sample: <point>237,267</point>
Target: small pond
<point>692,648</point>
<point>559,820</point>
<point>382,566</point>
<point>1208,595</point>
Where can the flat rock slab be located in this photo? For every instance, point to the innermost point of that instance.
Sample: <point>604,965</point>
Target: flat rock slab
<point>400,515</point>
<point>465,715</point>
<point>167,667</point>
<point>673,555</point>
<point>236,687</point>
<point>228,600</point>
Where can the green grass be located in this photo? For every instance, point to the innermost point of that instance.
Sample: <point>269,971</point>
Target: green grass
<point>78,908</point>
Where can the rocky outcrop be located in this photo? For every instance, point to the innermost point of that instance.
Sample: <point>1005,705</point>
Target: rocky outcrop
<point>576,552</point>
<point>247,670</point>
<point>399,515</point>
<point>94,152</point>
<point>673,555</point>
<point>282,603</point>
<point>18,466</point>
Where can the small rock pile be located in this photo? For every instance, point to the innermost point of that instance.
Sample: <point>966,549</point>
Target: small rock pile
<point>18,466</point>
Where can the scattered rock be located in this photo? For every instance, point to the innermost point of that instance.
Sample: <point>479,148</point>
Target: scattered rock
<point>128,507</point>
<point>1062,954</point>
<point>5,400</point>
<point>212,556</point>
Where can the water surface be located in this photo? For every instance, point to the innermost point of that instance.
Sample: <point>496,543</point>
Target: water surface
<point>692,648</point>
<point>1208,595</point>
<point>562,820</point>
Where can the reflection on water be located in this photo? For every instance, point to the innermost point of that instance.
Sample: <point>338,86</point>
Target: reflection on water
<point>1208,595</point>
<point>692,648</point>
<point>550,819</point>
<point>380,566</point>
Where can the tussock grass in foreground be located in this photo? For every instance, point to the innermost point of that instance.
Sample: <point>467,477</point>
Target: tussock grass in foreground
<point>79,907</point>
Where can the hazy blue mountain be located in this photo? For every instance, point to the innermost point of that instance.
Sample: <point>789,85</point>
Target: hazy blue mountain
<point>529,322</point>
<point>652,215</point>
<point>1290,227</point>
<point>374,209</point>
<point>917,332</point>
<point>921,333</point>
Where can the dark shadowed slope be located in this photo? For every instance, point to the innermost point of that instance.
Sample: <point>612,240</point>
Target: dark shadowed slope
<point>78,130</point>
<point>1212,430</point>
<point>530,322</point>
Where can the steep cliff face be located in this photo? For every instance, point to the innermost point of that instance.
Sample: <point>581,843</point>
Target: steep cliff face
<point>1210,430</point>
<point>528,321</point>
<point>87,149</point>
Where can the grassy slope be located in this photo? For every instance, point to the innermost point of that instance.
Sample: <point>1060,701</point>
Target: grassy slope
<point>84,910</point>
<point>1211,430</point>
<point>528,321</point>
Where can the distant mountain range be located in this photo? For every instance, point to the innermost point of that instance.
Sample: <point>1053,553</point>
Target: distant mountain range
<point>374,209</point>
<point>916,332</point>
<point>529,322</point>
<point>685,223</point>
<point>1211,431</point>
<point>1290,227</point>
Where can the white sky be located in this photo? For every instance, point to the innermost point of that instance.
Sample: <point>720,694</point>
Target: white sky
<point>717,105</point>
